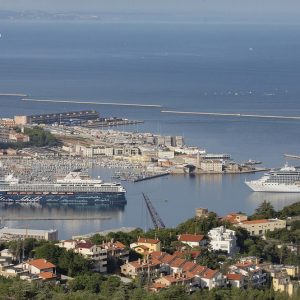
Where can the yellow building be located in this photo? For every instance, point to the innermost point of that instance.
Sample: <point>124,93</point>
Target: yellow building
<point>283,283</point>
<point>260,227</point>
<point>146,246</point>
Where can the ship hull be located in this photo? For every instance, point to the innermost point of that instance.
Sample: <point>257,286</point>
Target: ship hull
<point>88,198</point>
<point>273,188</point>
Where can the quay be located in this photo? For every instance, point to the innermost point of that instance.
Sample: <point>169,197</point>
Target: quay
<point>151,177</point>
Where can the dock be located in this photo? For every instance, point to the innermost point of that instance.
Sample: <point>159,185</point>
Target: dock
<point>151,177</point>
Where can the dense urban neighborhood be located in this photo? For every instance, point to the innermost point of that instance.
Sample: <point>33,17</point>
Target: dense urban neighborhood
<point>206,257</point>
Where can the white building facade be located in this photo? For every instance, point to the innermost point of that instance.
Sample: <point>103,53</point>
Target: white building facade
<point>222,239</point>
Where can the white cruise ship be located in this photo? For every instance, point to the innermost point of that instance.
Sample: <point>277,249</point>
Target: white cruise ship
<point>284,180</point>
<point>72,188</point>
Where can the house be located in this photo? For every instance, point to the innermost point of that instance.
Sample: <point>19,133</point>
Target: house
<point>202,275</point>
<point>212,279</point>
<point>222,239</point>
<point>254,274</point>
<point>37,266</point>
<point>190,282</point>
<point>116,250</point>
<point>151,267</point>
<point>260,227</point>
<point>235,218</point>
<point>192,240</point>
<point>146,246</point>
<point>236,280</point>
<point>96,253</point>
<point>283,283</point>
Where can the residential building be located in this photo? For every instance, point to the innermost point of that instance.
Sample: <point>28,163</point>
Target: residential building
<point>283,283</point>
<point>190,281</point>
<point>96,253</point>
<point>149,267</point>
<point>146,246</point>
<point>235,218</point>
<point>222,239</point>
<point>116,250</point>
<point>254,275</point>
<point>212,279</point>
<point>260,227</point>
<point>192,240</point>
<point>37,266</point>
<point>236,280</point>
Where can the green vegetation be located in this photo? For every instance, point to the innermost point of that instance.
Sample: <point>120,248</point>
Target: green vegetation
<point>38,138</point>
<point>94,286</point>
<point>67,262</point>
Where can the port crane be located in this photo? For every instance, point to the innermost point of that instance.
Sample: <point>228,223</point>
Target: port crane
<point>156,219</point>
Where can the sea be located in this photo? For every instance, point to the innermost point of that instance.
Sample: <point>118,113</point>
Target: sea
<point>201,67</point>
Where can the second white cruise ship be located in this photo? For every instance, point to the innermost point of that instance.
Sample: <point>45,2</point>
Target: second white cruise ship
<point>284,180</point>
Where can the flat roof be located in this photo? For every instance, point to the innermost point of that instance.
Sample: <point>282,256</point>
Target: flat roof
<point>24,231</point>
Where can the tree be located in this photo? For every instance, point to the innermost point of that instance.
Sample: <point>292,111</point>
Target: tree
<point>264,211</point>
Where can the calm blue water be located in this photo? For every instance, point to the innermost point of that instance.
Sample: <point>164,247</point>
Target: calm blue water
<point>193,67</point>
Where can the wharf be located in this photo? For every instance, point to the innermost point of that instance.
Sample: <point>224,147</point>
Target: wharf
<point>110,123</point>
<point>151,177</point>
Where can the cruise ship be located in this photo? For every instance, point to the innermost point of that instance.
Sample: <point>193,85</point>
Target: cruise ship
<point>284,180</point>
<point>73,188</point>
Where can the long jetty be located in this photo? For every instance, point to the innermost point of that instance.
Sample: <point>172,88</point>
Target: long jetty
<point>13,95</point>
<point>198,113</point>
<point>93,102</point>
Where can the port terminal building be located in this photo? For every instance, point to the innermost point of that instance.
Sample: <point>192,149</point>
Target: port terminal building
<point>9,234</point>
<point>60,118</point>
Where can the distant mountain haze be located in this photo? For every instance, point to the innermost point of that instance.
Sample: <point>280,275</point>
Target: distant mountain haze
<point>156,6</point>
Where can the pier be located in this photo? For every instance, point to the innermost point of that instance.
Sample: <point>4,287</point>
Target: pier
<point>12,95</point>
<point>93,102</point>
<point>151,177</point>
<point>216,114</point>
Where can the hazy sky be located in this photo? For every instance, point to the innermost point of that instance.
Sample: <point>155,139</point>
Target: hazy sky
<point>262,10</point>
<point>155,5</point>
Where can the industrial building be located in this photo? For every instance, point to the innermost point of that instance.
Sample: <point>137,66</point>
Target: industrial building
<point>9,234</point>
<point>60,118</point>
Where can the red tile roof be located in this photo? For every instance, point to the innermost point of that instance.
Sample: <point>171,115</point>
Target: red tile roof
<point>209,274</point>
<point>141,246</point>
<point>85,245</point>
<point>196,238</point>
<point>149,241</point>
<point>167,259</point>
<point>41,264</point>
<point>177,263</point>
<point>188,266</point>
<point>47,275</point>
<point>178,278</point>
<point>245,264</point>
<point>198,270</point>
<point>182,254</point>
<point>238,277</point>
